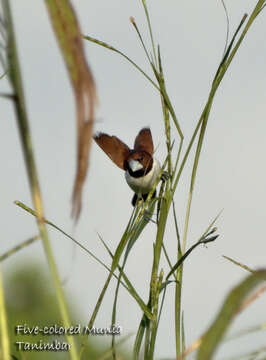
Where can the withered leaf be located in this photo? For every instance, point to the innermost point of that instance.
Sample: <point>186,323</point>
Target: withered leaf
<point>67,30</point>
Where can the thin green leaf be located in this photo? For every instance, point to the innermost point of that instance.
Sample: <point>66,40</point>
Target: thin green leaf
<point>210,230</point>
<point>166,98</point>
<point>19,247</point>
<point>239,264</point>
<point>177,230</point>
<point>182,259</point>
<point>227,52</point>
<point>166,283</point>
<point>132,20</point>
<point>136,296</point>
<point>105,245</point>
<point>227,25</point>
<point>167,257</point>
<point>109,47</point>
<point>129,286</point>
<point>34,213</point>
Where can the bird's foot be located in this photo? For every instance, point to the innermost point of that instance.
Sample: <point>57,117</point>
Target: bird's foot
<point>147,217</point>
<point>164,176</point>
<point>138,197</point>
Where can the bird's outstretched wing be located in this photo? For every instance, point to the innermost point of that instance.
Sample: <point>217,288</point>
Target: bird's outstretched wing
<point>113,147</point>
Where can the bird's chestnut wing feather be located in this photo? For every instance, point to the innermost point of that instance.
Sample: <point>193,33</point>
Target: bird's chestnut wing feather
<point>143,141</point>
<point>113,147</point>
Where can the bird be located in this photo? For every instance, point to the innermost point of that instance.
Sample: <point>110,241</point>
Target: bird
<point>140,166</point>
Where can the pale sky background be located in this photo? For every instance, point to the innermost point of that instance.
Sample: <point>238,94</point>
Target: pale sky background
<point>231,173</point>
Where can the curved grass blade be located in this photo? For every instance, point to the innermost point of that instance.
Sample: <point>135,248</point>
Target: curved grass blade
<point>227,25</point>
<point>34,213</point>
<point>130,229</point>
<point>230,308</point>
<point>128,286</point>
<point>109,47</point>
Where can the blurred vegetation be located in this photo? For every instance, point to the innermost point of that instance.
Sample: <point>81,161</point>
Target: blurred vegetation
<point>30,300</point>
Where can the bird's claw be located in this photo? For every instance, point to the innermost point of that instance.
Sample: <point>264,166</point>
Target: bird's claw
<point>164,176</point>
<point>147,217</point>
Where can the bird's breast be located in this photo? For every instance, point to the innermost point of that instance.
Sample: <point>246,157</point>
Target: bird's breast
<point>143,184</point>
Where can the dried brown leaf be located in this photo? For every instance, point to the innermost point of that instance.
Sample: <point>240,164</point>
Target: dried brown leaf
<point>67,30</point>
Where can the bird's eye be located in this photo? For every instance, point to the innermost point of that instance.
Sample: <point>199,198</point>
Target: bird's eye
<point>140,158</point>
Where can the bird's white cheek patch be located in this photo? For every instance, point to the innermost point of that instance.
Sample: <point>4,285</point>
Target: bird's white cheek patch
<point>144,184</point>
<point>135,165</point>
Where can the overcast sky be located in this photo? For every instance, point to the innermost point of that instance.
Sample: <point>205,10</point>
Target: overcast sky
<point>231,172</point>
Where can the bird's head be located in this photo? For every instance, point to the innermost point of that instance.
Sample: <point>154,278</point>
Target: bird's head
<point>138,163</point>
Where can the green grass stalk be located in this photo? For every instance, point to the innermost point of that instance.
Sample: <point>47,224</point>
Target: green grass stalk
<point>5,346</point>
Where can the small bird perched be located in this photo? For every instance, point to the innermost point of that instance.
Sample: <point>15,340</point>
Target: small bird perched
<point>141,168</point>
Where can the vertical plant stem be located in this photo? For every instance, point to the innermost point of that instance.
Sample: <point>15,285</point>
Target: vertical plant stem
<point>177,159</point>
<point>5,347</point>
<point>151,329</point>
<point>166,118</point>
<point>178,293</point>
<point>178,287</point>
<point>158,246</point>
<point>25,136</point>
<point>154,322</point>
